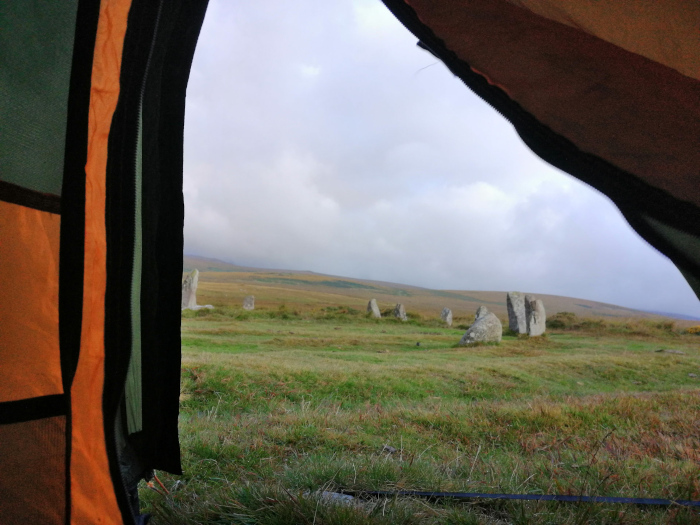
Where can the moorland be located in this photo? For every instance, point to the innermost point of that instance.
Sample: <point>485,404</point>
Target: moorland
<point>285,407</point>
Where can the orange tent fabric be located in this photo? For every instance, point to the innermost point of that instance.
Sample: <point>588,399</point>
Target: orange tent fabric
<point>85,85</point>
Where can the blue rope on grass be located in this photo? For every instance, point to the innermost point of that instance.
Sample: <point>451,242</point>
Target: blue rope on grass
<point>531,497</point>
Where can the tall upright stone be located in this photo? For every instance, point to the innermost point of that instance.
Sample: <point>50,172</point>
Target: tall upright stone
<point>535,315</point>
<point>446,316</point>
<point>189,290</point>
<point>517,320</point>
<point>487,328</point>
<point>373,308</point>
<point>400,312</point>
<point>249,302</point>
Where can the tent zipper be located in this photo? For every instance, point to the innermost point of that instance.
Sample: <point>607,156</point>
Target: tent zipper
<point>133,392</point>
<point>134,396</point>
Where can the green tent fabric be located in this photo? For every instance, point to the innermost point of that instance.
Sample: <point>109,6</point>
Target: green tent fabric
<point>92,97</point>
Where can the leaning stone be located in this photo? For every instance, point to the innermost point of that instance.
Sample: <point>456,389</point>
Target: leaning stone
<point>373,308</point>
<point>400,312</point>
<point>487,328</point>
<point>189,290</point>
<point>446,316</point>
<point>249,302</point>
<point>517,321</point>
<point>535,315</point>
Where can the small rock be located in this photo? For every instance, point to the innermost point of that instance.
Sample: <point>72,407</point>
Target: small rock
<point>199,307</point>
<point>669,351</point>
<point>337,497</point>
<point>389,449</point>
<point>692,375</point>
<point>334,497</point>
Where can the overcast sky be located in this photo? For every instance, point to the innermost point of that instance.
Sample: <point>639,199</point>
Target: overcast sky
<point>319,137</point>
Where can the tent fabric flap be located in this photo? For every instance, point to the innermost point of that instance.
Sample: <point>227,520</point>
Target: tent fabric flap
<point>87,85</point>
<point>606,91</point>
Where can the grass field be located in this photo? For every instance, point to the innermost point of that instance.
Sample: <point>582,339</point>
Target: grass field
<point>281,404</point>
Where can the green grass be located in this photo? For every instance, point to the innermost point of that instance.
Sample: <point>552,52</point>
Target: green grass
<point>280,405</point>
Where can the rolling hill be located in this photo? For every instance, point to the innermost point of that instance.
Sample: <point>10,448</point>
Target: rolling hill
<point>222,283</point>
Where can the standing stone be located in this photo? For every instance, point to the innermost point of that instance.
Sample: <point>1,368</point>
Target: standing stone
<point>517,320</point>
<point>373,308</point>
<point>446,316</point>
<point>189,290</point>
<point>249,302</point>
<point>487,328</point>
<point>535,315</point>
<point>400,312</point>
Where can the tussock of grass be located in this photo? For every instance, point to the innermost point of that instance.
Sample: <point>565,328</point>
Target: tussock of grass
<point>636,327</point>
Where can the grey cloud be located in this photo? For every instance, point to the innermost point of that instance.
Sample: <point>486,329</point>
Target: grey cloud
<point>318,137</point>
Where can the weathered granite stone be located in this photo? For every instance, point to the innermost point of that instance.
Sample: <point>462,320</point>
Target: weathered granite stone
<point>249,302</point>
<point>373,308</point>
<point>446,316</point>
<point>487,328</point>
<point>189,290</point>
<point>517,321</point>
<point>535,315</point>
<point>400,312</point>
